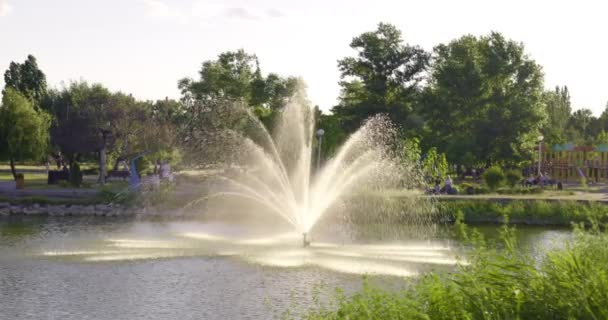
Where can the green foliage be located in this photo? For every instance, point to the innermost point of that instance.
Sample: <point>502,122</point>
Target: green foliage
<point>513,177</point>
<point>584,184</point>
<point>582,124</point>
<point>334,134</point>
<point>506,283</point>
<point>24,132</point>
<point>529,212</point>
<point>382,78</point>
<point>484,97</point>
<point>558,109</point>
<point>494,177</point>
<point>411,150</point>
<point>435,164</point>
<point>75,175</point>
<point>236,76</point>
<point>143,165</point>
<point>27,79</point>
<point>602,137</point>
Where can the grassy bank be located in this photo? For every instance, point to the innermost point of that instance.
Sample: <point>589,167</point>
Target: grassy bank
<point>53,201</point>
<point>506,283</point>
<point>525,211</point>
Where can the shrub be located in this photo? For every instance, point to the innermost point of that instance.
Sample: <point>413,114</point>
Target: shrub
<point>507,283</point>
<point>513,177</point>
<point>494,177</point>
<point>75,175</point>
<point>143,166</point>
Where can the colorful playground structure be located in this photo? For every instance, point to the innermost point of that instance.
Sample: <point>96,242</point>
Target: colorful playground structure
<point>567,162</point>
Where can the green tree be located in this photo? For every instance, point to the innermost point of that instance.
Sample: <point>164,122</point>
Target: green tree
<point>236,77</point>
<point>334,135</point>
<point>89,119</point>
<point>24,132</point>
<point>602,137</point>
<point>484,97</point>
<point>557,105</point>
<point>580,126</point>
<point>27,79</point>
<point>384,77</point>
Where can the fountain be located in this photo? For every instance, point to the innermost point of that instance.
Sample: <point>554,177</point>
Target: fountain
<point>275,170</point>
<point>275,193</point>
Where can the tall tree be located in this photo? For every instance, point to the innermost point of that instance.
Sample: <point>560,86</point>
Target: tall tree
<point>27,79</point>
<point>557,105</point>
<point>384,77</point>
<point>24,132</point>
<point>580,127</point>
<point>484,97</point>
<point>236,77</point>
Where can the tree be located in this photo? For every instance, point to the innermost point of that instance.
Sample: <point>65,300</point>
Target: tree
<point>27,79</point>
<point>24,132</point>
<point>89,119</point>
<point>236,77</point>
<point>557,105</point>
<point>580,126</point>
<point>384,77</point>
<point>334,135</point>
<point>484,97</point>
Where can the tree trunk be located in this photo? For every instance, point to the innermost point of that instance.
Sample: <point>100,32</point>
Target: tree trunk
<point>13,169</point>
<point>102,166</point>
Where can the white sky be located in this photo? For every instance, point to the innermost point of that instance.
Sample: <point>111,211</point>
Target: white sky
<point>144,46</point>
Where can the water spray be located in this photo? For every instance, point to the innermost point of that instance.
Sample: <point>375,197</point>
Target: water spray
<point>305,241</point>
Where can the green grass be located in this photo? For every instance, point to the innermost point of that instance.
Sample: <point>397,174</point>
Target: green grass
<point>52,201</point>
<point>528,212</point>
<point>505,283</point>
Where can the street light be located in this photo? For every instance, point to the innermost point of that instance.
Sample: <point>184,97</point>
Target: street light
<point>540,142</point>
<point>320,134</point>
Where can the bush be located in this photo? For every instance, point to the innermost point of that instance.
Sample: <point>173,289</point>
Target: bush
<point>75,175</point>
<point>513,177</point>
<point>561,213</point>
<point>568,283</point>
<point>494,177</point>
<point>143,166</point>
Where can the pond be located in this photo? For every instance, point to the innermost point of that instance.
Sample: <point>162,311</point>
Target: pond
<point>126,268</point>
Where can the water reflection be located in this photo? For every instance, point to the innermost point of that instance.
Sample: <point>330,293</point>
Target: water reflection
<point>128,269</point>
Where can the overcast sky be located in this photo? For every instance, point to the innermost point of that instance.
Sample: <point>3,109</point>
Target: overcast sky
<point>144,46</point>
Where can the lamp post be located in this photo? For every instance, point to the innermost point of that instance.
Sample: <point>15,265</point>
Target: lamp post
<point>320,134</point>
<point>540,142</point>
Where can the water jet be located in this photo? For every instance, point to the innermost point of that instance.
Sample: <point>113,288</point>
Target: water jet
<point>305,241</point>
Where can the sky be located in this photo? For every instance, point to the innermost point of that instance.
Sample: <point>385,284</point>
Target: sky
<point>144,47</point>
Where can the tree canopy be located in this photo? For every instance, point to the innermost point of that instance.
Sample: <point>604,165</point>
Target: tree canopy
<point>384,77</point>
<point>27,79</point>
<point>485,97</point>
<point>23,130</point>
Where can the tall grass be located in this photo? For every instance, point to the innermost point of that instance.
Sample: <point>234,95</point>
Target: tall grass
<point>505,283</point>
<point>527,212</point>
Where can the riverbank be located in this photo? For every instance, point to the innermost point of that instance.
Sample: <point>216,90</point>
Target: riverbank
<point>61,210</point>
<point>523,211</point>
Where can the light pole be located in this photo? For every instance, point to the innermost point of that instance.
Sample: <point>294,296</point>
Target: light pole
<point>320,134</point>
<point>540,142</point>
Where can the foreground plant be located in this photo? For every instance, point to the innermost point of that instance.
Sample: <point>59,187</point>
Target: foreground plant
<point>499,282</point>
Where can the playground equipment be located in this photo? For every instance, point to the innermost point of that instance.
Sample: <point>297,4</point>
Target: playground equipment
<point>568,162</point>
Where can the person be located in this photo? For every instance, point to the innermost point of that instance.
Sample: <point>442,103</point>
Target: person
<point>529,181</point>
<point>437,188</point>
<point>448,184</point>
